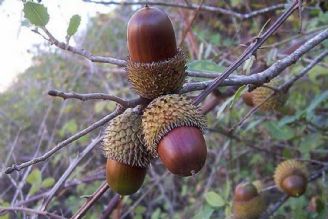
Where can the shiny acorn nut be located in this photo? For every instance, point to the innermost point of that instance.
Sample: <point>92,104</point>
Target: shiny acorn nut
<point>183,150</point>
<point>127,157</point>
<point>124,179</point>
<point>172,128</point>
<point>155,66</point>
<point>150,36</point>
<point>247,202</point>
<point>245,192</point>
<point>248,99</point>
<point>291,177</point>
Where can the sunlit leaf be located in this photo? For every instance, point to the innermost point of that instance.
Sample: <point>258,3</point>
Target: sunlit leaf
<point>74,24</point>
<point>36,13</point>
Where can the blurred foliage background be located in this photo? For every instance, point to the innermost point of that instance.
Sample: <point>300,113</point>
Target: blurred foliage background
<point>32,122</point>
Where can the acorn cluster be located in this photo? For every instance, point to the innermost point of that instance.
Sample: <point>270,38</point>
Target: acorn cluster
<point>249,202</point>
<point>170,126</point>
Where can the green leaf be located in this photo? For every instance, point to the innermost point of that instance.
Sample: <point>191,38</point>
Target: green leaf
<point>74,24</point>
<point>70,127</point>
<point>279,133</point>
<point>204,213</point>
<point>317,100</point>
<point>248,64</point>
<point>36,13</point>
<point>34,177</point>
<point>214,199</point>
<point>35,187</point>
<point>237,95</point>
<point>205,66</point>
<point>309,143</point>
<point>48,182</point>
<point>156,214</point>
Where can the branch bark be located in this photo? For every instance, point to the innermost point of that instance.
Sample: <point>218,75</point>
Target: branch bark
<point>266,75</point>
<point>193,6</point>
<point>98,96</point>
<point>251,49</point>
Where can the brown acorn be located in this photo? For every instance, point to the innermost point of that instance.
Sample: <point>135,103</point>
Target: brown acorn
<point>172,128</point>
<point>155,66</point>
<point>127,157</point>
<point>248,203</point>
<point>248,99</point>
<point>124,179</point>
<point>291,177</point>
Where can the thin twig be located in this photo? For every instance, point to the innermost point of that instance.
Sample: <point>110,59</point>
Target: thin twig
<point>282,88</point>
<point>192,6</point>
<point>97,96</point>
<point>62,144</point>
<point>196,12</point>
<point>83,52</point>
<point>111,206</point>
<point>247,53</point>
<point>91,200</point>
<point>68,172</point>
<point>266,75</point>
<point>31,211</point>
<point>313,62</point>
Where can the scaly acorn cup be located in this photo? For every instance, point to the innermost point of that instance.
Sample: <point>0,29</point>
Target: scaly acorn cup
<point>155,66</point>
<point>172,128</point>
<point>248,203</point>
<point>291,178</point>
<point>127,157</point>
<point>274,103</point>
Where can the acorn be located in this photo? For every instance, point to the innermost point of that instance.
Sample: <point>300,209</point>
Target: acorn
<point>274,103</point>
<point>291,178</point>
<point>127,156</point>
<point>247,203</point>
<point>155,66</point>
<point>172,128</point>
<point>248,99</point>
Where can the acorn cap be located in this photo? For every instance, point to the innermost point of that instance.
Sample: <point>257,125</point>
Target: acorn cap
<point>272,104</point>
<point>166,113</point>
<point>153,79</point>
<point>291,177</point>
<point>123,140</point>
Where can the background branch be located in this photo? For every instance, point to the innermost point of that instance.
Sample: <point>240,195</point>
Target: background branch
<point>192,6</point>
<point>62,144</point>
